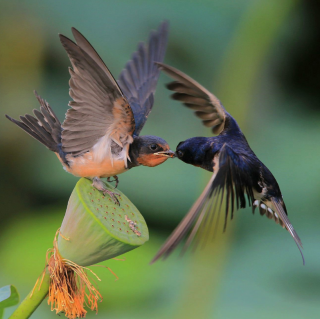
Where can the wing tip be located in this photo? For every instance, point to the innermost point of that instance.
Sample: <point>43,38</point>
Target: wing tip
<point>76,33</point>
<point>160,65</point>
<point>160,254</point>
<point>8,117</point>
<point>65,40</point>
<point>61,36</point>
<point>153,261</point>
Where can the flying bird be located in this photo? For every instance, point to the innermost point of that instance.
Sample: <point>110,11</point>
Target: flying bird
<point>238,176</point>
<point>100,136</point>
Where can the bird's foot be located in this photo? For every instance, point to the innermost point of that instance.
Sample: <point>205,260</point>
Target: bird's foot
<point>116,179</point>
<point>99,185</point>
<point>113,195</point>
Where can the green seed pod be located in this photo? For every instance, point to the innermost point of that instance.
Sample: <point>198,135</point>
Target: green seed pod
<point>95,229</point>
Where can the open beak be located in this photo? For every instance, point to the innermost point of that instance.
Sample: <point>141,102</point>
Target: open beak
<point>168,153</point>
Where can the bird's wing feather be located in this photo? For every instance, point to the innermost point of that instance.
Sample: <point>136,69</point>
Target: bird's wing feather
<point>195,96</point>
<point>99,112</point>
<point>231,183</point>
<point>139,78</point>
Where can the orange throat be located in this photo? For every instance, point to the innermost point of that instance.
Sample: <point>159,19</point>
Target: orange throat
<point>151,160</point>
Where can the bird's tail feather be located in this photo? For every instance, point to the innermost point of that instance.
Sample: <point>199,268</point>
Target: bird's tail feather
<point>44,126</point>
<point>283,216</point>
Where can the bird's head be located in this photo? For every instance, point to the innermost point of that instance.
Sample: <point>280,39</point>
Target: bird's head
<point>150,150</point>
<point>194,151</point>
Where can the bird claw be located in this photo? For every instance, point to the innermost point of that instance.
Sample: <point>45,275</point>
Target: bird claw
<point>116,179</point>
<point>100,186</point>
<point>112,195</point>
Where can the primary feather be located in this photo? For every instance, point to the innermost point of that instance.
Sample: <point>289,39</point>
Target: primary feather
<point>139,78</point>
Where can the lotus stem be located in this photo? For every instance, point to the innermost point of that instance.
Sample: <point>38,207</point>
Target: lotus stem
<point>34,298</point>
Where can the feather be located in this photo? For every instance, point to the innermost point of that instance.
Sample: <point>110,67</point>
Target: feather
<point>139,78</point>
<point>232,183</point>
<point>194,95</point>
<point>287,224</point>
<point>98,109</point>
<point>45,127</point>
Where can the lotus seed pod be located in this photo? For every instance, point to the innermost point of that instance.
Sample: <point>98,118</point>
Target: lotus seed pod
<point>95,228</point>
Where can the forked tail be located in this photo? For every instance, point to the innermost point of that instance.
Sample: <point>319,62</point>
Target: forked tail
<point>44,126</point>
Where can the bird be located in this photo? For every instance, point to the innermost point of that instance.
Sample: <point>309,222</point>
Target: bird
<point>238,176</point>
<point>100,136</point>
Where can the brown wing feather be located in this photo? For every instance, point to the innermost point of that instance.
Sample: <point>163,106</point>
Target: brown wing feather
<point>99,115</point>
<point>195,96</point>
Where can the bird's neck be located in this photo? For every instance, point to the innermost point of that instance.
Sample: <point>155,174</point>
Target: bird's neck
<point>231,126</point>
<point>133,154</point>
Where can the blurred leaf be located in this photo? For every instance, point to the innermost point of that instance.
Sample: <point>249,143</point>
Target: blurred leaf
<point>9,297</point>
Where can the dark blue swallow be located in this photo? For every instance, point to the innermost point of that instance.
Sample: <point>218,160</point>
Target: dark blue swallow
<point>239,177</point>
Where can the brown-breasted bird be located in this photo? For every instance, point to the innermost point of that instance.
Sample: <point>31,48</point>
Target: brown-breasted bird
<point>239,177</point>
<point>100,134</point>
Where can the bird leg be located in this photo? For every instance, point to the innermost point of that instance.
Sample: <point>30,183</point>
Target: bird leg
<point>116,179</point>
<point>99,185</point>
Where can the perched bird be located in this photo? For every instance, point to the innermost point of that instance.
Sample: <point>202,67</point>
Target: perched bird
<point>100,134</point>
<point>238,175</point>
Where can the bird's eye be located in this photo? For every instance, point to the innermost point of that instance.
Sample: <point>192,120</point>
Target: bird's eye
<point>153,147</point>
<point>179,153</point>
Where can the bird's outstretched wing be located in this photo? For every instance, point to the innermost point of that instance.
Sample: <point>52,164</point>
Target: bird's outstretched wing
<point>232,184</point>
<point>196,97</point>
<point>139,78</point>
<point>99,114</point>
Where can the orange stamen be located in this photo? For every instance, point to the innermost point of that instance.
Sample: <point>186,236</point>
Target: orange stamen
<point>70,288</point>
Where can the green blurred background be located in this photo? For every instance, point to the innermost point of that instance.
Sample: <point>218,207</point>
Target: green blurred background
<point>261,58</point>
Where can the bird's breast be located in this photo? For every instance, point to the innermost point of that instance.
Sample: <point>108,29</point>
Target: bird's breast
<point>87,166</point>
